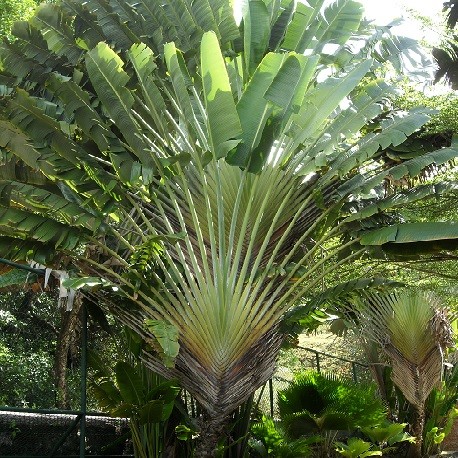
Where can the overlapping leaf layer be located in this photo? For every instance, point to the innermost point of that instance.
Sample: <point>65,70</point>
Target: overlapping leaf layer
<point>197,167</point>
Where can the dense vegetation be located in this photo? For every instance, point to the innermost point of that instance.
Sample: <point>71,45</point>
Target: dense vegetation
<point>210,184</point>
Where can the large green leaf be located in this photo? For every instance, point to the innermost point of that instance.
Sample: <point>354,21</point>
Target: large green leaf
<point>34,44</point>
<point>274,93</point>
<point>394,132</point>
<point>224,127</point>
<point>89,31</point>
<point>16,277</point>
<point>107,395</point>
<point>151,412</point>
<point>115,29</point>
<point>143,60</point>
<point>410,168</point>
<point>57,32</point>
<point>16,141</point>
<point>182,82</point>
<point>415,194</point>
<point>320,102</point>
<point>77,103</point>
<point>166,335</point>
<point>300,32</point>
<point>40,200</point>
<point>84,282</point>
<point>27,115</point>
<point>13,63</point>
<point>291,83</point>
<point>105,69</point>
<point>362,107</point>
<point>340,20</point>
<point>281,23</point>
<point>256,33</point>
<point>254,110</point>
<point>15,249</point>
<point>130,383</point>
<point>411,232</point>
<point>22,224</point>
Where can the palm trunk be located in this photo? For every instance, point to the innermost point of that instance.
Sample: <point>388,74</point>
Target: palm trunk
<point>417,430</point>
<point>211,432</point>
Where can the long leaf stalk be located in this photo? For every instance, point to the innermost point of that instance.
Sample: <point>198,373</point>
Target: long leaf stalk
<point>105,249</point>
<point>274,306</point>
<point>305,288</point>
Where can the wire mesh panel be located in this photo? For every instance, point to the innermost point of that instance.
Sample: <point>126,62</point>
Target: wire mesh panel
<point>43,365</point>
<point>266,397</point>
<point>52,434</point>
<point>341,367</point>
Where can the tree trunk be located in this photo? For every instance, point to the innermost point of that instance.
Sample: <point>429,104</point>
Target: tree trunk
<point>69,321</point>
<point>211,432</point>
<point>417,430</point>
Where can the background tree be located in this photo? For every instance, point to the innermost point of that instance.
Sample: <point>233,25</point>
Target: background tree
<point>446,55</point>
<point>16,10</point>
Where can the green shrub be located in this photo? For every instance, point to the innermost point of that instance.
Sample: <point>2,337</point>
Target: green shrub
<point>315,402</point>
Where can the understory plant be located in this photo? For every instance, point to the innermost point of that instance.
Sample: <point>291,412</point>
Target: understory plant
<point>315,402</point>
<point>441,410</point>
<point>129,389</point>
<point>323,415</point>
<point>268,439</point>
<point>377,440</point>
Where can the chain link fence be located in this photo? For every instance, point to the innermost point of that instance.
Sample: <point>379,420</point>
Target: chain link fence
<point>34,433</point>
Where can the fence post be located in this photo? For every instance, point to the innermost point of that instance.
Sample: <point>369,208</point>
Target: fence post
<point>353,370</point>
<point>271,397</point>
<point>317,359</point>
<point>83,380</point>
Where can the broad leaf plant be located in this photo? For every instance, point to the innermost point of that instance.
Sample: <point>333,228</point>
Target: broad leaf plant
<point>198,174</point>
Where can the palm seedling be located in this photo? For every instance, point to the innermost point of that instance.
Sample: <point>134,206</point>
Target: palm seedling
<point>320,403</point>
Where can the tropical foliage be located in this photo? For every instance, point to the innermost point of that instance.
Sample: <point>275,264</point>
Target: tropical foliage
<point>131,390</point>
<point>392,320</point>
<point>270,440</point>
<point>14,10</point>
<point>446,54</point>
<point>198,176</point>
<point>314,403</point>
<point>22,356</point>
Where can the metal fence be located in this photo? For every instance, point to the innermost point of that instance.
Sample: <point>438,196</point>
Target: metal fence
<point>53,433</point>
<point>28,432</point>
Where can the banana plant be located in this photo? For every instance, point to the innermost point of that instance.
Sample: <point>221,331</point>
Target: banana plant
<point>199,170</point>
<point>132,391</point>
